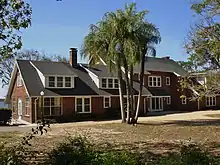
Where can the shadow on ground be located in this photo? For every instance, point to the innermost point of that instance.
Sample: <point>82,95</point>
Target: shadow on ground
<point>213,122</point>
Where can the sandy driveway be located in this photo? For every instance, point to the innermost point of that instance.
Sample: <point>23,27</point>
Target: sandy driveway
<point>200,115</point>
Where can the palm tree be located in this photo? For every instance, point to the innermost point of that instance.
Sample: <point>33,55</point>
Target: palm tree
<point>102,42</point>
<point>148,36</point>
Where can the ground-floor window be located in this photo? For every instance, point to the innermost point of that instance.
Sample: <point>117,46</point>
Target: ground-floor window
<point>52,106</point>
<point>83,105</point>
<point>211,101</point>
<point>183,99</point>
<point>27,103</point>
<point>107,102</point>
<point>168,100</point>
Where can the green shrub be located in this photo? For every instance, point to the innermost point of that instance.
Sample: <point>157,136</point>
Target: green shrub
<point>11,155</point>
<point>5,115</point>
<point>189,155</point>
<point>78,151</point>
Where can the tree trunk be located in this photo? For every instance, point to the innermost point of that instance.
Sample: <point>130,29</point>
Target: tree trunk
<point>132,95</point>
<point>128,92</point>
<point>121,93</point>
<point>141,87</point>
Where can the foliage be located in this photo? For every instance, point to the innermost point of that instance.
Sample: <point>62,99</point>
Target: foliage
<point>78,150</point>
<point>5,115</point>
<point>189,155</point>
<point>15,15</point>
<point>6,66</point>
<point>122,39</point>
<point>11,155</point>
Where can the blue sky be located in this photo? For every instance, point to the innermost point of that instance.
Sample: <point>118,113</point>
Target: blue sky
<point>57,26</point>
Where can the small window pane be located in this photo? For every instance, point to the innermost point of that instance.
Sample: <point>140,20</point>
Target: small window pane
<point>79,101</point>
<point>46,101</point>
<point>79,108</point>
<point>67,81</point>
<point>59,81</point>
<point>86,101</point>
<point>110,83</point>
<point>87,108</point>
<point>104,83</point>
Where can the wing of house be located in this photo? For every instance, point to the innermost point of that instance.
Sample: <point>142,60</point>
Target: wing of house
<point>65,90</point>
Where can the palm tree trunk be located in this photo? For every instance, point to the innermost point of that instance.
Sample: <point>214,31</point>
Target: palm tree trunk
<point>121,93</point>
<point>132,94</point>
<point>141,87</point>
<point>128,92</point>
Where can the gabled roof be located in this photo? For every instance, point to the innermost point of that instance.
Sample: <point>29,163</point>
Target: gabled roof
<point>161,65</point>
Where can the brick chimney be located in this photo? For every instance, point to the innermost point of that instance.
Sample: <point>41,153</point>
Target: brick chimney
<point>73,57</point>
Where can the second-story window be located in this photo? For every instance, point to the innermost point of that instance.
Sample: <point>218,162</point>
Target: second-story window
<point>67,81</point>
<point>110,83</point>
<point>59,81</point>
<point>167,80</point>
<point>116,83</point>
<point>51,81</point>
<point>104,83</point>
<point>154,81</point>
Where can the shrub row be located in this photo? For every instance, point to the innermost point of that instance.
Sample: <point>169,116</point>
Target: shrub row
<point>5,115</point>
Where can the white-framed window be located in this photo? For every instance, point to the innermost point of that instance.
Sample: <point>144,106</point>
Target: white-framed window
<point>51,81</point>
<point>104,83</point>
<point>116,83</point>
<point>19,80</point>
<point>168,100</point>
<point>83,104</point>
<point>27,103</point>
<point>183,98</point>
<point>107,102</point>
<point>60,82</point>
<point>51,106</point>
<point>67,82</point>
<point>167,80</point>
<point>210,101</point>
<point>154,81</point>
<point>109,83</point>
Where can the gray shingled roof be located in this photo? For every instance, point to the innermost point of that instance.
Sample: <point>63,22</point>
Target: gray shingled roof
<point>100,70</point>
<point>51,68</point>
<point>162,65</point>
<point>84,85</point>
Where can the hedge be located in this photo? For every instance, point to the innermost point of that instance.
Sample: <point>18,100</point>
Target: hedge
<point>5,115</point>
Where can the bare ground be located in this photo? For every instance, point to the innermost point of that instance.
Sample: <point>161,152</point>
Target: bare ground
<point>157,136</point>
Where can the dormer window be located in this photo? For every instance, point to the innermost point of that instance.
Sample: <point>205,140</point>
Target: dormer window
<point>59,81</point>
<point>67,82</point>
<point>154,81</point>
<point>109,83</point>
<point>51,81</point>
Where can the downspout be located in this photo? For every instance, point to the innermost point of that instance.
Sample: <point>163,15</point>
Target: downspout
<point>35,109</point>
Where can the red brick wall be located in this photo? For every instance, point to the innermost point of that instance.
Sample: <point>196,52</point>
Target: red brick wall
<point>20,92</point>
<point>68,106</point>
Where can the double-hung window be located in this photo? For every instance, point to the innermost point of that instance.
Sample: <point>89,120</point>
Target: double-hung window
<point>107,102</point>
<point>60,82</point>
<point>68,82</point>
<point>51,81</point>
<point>104,83</point>
<point>210,101</point>
<point>183,98</point>
<point>167,80</point>
<point>52,106</point>
<point>116,83</point>
<point>154,81</point>
<point>168,100</point>
<point>27,103</point>
<point>83,105</point>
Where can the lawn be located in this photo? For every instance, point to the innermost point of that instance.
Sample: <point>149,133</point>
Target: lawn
<point>153,137</point>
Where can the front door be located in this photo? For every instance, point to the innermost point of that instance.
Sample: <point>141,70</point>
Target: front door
<point>19,108</point>
<point>156,104</point>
